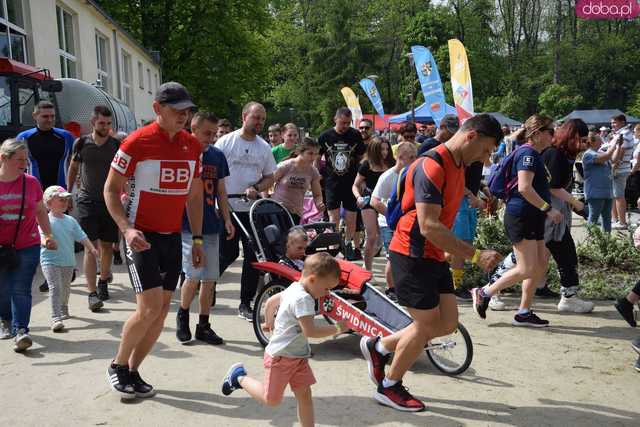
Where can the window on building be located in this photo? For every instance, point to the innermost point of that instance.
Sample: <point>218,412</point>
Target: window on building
<point>66,43</point>
<point>140,75</point>
<point>127,93</point>
<point>149,80</point>
<point>103,58</point>
<point>157,80</point>
<point>13,37</point>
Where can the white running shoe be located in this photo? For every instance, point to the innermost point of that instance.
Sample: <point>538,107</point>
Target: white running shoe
<point>57,326</point>
<point>496,303</point>
<point>575,305</point>
<point>618,226</point>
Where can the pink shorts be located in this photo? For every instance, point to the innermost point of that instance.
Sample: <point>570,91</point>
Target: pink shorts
<point>280,371</point>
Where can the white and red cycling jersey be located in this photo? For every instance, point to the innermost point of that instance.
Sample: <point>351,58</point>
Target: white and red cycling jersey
<point>161,171</point>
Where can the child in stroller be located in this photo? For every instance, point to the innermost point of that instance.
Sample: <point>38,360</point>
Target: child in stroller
<point>297,242</point>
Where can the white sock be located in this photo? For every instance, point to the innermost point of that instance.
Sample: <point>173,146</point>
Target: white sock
<point>380,348</point>
<point>386,382</point>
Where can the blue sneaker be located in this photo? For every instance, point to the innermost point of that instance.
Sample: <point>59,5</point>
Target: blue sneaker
<point>230,382</point>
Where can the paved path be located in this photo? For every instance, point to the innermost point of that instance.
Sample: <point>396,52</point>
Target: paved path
<point>578,372</point>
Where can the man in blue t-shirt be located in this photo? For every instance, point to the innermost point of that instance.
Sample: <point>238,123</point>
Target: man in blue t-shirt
<point>214,170</point>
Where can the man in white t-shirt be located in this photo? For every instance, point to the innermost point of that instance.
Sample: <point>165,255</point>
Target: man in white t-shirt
<point>251,169</point>
<point>406,154</point>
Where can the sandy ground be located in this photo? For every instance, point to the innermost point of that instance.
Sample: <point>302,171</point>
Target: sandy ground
<point>577,372</point>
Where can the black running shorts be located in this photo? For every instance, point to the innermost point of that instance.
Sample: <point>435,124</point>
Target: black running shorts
<point>529,226</point>
<point>340,194</point>
<point>95,220</point>
<point>159,265</point>
<point>420,281</point>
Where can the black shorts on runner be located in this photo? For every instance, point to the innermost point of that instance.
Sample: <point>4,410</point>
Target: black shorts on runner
<point>338,195</point>
<point>159,265</point>
<point>95,220</point>
<point>529,226</point>
<point>420,281</point>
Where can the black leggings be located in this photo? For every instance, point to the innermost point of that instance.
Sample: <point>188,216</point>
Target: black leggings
<point>230,250</point>
<point>564,253</point>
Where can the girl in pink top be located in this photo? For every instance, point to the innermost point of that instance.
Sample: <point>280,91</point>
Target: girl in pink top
<point>294,177</point>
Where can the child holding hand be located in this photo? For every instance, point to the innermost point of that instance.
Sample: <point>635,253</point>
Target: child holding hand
<point>58,264</point>
<point>286,356</point>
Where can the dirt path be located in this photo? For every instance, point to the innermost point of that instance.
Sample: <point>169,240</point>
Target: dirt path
<point>577,372</point>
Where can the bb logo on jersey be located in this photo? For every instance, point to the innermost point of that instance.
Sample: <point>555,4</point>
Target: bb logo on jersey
<point>174,175</point>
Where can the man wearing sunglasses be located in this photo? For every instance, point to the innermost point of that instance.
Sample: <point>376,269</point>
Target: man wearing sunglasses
<point>366,130</point>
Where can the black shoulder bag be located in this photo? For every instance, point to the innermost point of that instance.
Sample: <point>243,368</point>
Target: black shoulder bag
<point>8,254</point>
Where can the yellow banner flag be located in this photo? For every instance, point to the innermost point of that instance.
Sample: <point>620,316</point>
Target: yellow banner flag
<point>353,104</point>
<point>460,80</point>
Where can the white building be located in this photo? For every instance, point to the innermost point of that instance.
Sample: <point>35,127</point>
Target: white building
<point>78,39</point>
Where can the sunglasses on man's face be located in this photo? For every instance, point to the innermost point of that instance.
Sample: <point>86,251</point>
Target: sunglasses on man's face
<point>365,127</point>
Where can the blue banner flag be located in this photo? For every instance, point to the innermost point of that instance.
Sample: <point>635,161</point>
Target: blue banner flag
<point>369,87</point>
<point>429,82</point>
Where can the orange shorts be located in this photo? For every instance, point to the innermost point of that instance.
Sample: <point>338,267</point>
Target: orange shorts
<point>280,371</point>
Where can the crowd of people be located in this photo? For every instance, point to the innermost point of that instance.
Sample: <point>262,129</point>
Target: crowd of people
<point>167,191</point>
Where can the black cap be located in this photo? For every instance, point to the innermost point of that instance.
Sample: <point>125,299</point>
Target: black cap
<point>174,95</point>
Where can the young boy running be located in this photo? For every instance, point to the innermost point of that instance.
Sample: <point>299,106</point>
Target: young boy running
<point>285,358</point>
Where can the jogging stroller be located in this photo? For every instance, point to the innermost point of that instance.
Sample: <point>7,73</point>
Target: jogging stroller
<point>365,309</point>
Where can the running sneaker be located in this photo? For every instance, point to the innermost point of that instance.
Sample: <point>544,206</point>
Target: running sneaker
<point>636,345</point>
<point>183,332</point>
<point>496,303</point>
<point>141,388</point>
<point>117,259</point>
<point>618,226</point>
<point>5,330</point>
<point>575,305</point>
<point>208,335</point>
<point>391,294</point>
<point>375,360</point>
<point>119,379</point>
<point>398,397</point>
<point>625,308</point>
<point>480,303</point>
<point>530,319</point>
<point>22,341</point>
<point>546,292</point>
<point>57,326</point>
<point>94,302</point>
<point>230,382</point>
<point>103,289</point>
<point>245,312</point>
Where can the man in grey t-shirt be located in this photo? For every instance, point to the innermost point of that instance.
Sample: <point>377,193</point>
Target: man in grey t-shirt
<point>92,156</point>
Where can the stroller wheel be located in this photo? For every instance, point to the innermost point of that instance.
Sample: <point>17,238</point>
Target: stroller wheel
<point>451,354</point>
<point>267,292</point>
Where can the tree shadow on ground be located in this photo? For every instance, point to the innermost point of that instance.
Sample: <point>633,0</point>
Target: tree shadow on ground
<point>606,332</point>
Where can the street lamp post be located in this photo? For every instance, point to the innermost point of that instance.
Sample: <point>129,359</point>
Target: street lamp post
<point>413,101</point>
<point>373,77</point>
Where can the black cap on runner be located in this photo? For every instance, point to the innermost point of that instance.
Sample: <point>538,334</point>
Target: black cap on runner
<point>174,95</point>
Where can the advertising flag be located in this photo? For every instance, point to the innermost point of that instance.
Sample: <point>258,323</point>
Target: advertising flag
<point>353,104</point>
<point>430,82</point>
<point>460,80</point>
<point>369,87</point>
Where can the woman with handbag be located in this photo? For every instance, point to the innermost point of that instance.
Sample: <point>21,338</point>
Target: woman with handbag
<point>21,211</point>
